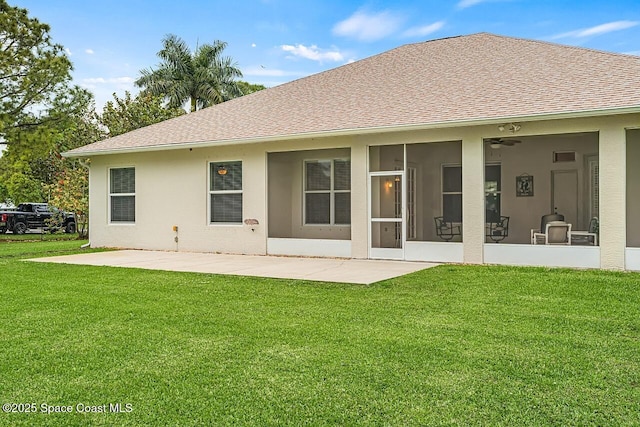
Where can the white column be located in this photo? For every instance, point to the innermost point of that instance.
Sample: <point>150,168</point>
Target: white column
<point>359,207</point>
<point>612,191</point>
<point>473,199</point>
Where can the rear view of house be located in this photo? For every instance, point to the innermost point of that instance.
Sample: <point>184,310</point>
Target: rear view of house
<point>475,149</point>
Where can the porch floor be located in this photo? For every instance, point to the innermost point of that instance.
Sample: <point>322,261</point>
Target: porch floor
<point>318,269</point>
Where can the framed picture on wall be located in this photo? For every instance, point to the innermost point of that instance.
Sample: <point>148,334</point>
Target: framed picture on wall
<point>524,185</point>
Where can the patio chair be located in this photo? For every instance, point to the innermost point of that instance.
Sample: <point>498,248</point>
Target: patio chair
<point>498,229</point>
<point>445,229</point>
<point>537,236</point>
<point>589,237</point>
<point>555,233</point>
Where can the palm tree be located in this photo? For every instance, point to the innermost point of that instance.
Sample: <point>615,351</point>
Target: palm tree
<point>203,77</point>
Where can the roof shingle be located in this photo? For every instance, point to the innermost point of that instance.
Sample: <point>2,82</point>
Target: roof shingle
<point>459,79</point>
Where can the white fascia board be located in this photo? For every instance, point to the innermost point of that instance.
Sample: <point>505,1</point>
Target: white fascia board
<point>362,131</point>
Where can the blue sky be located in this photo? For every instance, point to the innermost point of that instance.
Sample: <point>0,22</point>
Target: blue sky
<point>275,41</point>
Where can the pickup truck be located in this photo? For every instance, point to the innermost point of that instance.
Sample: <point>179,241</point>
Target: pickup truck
<point>34,216</point>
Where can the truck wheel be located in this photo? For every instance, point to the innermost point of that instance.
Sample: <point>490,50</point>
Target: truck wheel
<point>20,228</point>
<point>70,228</point>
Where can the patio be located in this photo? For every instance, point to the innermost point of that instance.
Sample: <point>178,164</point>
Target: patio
<point>355,271</point>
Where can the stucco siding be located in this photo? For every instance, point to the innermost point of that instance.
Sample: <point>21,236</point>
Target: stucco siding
<point>172,187</point>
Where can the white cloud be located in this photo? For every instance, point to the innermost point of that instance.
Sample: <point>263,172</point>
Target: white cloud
<point>424,30</point>
<point>313,53</point>
<point>463,4</point>
<point>68,51</point>
<point>253,45</point>
<point>89,51</point>
<point>598,29</point>
<point>368,26</point>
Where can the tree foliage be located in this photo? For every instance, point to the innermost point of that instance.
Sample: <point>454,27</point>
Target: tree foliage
<point>33,70</point>
<point>32,160</point>
<point>246,88</point>
<point>70,192</point>
<point>202,78</point>
<point>42,116</point>
<point>124,115</point>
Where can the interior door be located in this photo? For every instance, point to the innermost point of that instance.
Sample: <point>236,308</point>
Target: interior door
<point>387,215</point>
<point>564,198</point>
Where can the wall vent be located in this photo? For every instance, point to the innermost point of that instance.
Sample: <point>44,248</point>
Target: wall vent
<point>564,156</point>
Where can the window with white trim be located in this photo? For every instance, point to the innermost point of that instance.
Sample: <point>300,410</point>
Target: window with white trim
<point>327,192</point>
<point>122,195</point>
<point>225,192</point>
<point>452,193</point>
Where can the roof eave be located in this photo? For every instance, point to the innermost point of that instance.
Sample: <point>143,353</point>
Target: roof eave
<point>360,131</point>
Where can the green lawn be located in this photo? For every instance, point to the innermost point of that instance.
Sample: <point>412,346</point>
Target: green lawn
<point>453,345</point>
<point>36,237</point>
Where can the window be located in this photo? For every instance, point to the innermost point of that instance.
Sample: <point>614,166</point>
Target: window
<point>225,192</point>
<point>327,192</point>
<point>122,195</point>
<point>492,191</point>
<point>452,193</point>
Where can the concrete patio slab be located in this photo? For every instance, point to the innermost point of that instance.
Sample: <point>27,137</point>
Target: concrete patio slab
<point>317,269</point>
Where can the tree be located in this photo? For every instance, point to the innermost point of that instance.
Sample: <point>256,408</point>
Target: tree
<point>246,88</point>
<point>70,192</point>
<point>32,160</point>
<point>33,70</point>
<point>202,78</point>
<point>124,115</point>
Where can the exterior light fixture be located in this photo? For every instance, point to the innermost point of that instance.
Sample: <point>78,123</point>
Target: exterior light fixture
<point>222,170</point>
<point>511,127</point>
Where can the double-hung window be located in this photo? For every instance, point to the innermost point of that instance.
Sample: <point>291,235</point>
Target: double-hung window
<point>327,192</point>
<point>225,192</point>
<point>452,193</point>
<point>122,195</point>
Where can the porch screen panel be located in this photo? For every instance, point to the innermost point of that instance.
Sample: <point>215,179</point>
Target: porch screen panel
<point>122,199</point>
<point>225,192</point>
<point>343,208</point>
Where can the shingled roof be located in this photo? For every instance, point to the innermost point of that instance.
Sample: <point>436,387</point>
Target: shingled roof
<point>458,80</point>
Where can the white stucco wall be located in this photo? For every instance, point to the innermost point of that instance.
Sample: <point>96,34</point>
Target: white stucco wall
<point>172,188</point>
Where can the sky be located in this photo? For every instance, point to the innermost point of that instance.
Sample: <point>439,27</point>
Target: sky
<point>276,41</point>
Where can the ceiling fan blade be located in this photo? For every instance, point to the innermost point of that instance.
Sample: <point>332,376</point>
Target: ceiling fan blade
<point>510,142</point>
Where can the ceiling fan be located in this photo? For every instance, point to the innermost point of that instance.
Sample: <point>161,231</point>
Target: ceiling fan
<point>498,142</point>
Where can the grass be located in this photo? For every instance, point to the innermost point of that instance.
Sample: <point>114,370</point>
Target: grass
<point>453,345</point>
<point>37,237</point>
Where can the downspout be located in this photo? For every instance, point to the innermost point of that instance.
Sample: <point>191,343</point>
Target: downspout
<point>84,164</point>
